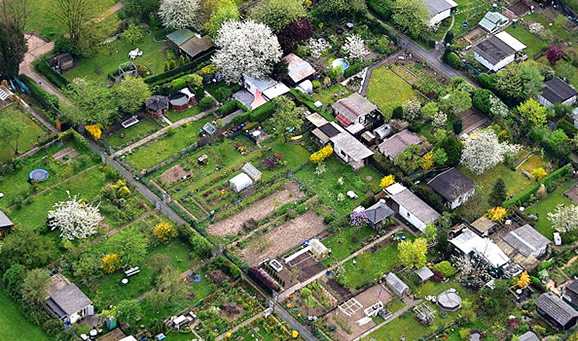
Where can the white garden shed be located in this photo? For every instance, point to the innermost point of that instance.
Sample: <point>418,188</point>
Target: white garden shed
<point>240,182</point>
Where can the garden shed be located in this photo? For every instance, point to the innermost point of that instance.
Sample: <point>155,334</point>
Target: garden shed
<point>252,172</point>
<point>396,285</point>
<point>318,249</point>
<point>63,61</point>
<point>157,105</point>
<point>240,182</point>
<point>5,224</point>
<point>424,274</point>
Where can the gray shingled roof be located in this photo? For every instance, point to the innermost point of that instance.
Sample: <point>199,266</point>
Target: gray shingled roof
<point>555,308</point>
<point>157,103</point>
<point>351,146</point>
<point>5,221</point>
<point>416,206</point>
<point>526,240</point>
<point>378,212</point>
<point>493,49</point>
<point>557,91</point>
<point>399,142</point>
<point>437,6</point>
<point>451,184</point>
<point>69,299</point>
<point>354,106</point>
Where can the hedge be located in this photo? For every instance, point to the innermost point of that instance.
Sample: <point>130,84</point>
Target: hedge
<point>263,112</point>
<point>182,70</point>
<point>231,107</point>
<point>47,101</point>
<point>54,77</point>
<point>353,69</point>
<point>528,192</point>
<point>568,128</point>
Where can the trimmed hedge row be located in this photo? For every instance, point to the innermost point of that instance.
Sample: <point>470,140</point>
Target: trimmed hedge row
<point>47,101</point>
<point>182,70</point>
<point>54,77</point>
<point>260,114</point>
<point>523,196</point>
<point>231,107</point>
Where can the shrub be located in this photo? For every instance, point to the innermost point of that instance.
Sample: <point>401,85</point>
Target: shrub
<point>446,268</point>
<point>222,93</point>
<point>206,103</point>
<point>164,231</point>
<point>397,113</point>
<point>231,107</point>
<point>353,69</point>
<point>457,126</point>
<point>567,127</point>
<point>487,81</point>
<point>481,100</point>
<point>46,100</point>
<point>54,77</point>
<point>263,112</point>
<point>454,60</point>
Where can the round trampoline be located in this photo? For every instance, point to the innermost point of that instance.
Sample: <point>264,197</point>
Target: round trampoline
<point>39,175</point>
<point>449,300</point>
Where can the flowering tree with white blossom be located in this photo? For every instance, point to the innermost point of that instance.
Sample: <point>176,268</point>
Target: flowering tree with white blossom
<point>317,47</point>
<point>75,218</point>
<point>248,48</point>
<point>439,120</point>
<point>355,47</point>
<point>565,218</point>
<point>484,151</point>
<point>411,109</point>
<point>179,14</point>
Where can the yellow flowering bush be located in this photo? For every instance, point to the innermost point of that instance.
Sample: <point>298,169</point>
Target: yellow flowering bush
<point>164,231</point>
<point>110,263</point>
<point>497,213</point>
<point>387,181</point>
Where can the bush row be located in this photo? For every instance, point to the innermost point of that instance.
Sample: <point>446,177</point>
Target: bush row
<point>231,107</point>
<point>182,70</point>
<point>525,195</point>
<point>54,77</point>
<point>47,101</point>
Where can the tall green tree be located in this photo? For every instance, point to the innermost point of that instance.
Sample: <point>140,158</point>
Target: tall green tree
<point>413,254</point>
<point>15,13</point>
<point>341,7</point>
<point>456,101</point>
<point>93,103</point>
<point>453,148</point>
<point>130,247</point>
<point>411,16</point>
<point>277,14</point>
<point>131,94</point>
<point>35,285</point>
<point>128,311</point>
<point>11,131</point>
<point>12,49</point>
<point>409,160</point>
<point>286,116</point>
<point>27,248</point>
<point>520,81</point>
<point>74,15</point>
<point>499,193</point>
<point>226,10</point>
<point>141,8</point>
<point>533,112</point>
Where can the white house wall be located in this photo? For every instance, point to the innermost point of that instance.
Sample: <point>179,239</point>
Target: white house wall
<point>436,19</point>
<point>420,225</point>
<point>491,66</point>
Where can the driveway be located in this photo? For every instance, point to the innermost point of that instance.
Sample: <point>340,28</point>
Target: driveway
<point>38,46</point>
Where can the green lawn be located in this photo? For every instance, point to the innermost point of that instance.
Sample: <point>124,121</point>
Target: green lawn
<point>345,242</point>
<point>112,55</point>
<point>169,145</point>
<point>363,182</point>
<point>175,116</point>
<point>110,290</point>
<point>515,182</point>
<point>370,266</point>
<point>330,95</point>
<point>87,185</point>
<point>547,205</point>
<point>132,134</point>
<point>409,327</point>
<point>533,43</point>
<point>15,185</point>
<point>14,325</point>
<point>41,20</point>
<point>388,91</point>
<point>31,133</point>
<point>470,11</point>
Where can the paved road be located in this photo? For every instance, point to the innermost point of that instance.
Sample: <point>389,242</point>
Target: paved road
<point>150,195</point>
